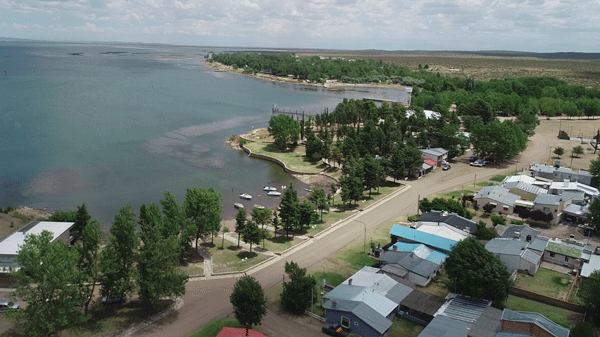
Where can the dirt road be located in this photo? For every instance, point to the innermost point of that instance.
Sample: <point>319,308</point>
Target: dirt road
<point>206,300</point>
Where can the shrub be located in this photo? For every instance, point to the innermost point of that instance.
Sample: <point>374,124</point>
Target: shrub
<point>584,329</point>
<point>517,222</point>
<point>484,233</point>
<point>242,141</point>
<point>413,218</point>
<point>232,138</point>
<point>488,208</point>
<point>498,219</point>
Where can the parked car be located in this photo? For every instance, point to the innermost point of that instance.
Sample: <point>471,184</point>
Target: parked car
<point>113,300</point>
<point>472,159</point>
<point>479,163</point>
<point>446,167</point>
<point>8,305</point>
<point>335,330</point>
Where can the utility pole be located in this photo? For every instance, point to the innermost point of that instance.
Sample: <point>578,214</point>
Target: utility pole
<point>474,180</point>
<point>418,202</point>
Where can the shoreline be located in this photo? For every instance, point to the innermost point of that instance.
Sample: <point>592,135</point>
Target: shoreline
<point>329,84</point>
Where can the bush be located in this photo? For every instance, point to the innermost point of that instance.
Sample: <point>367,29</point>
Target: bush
<point>484,233</point>
<point>498,219</point>
<point>8,209</point>
<point>242,141</point>
<point>413,218</point>
<point>584,329</point>
<point>517,222</point>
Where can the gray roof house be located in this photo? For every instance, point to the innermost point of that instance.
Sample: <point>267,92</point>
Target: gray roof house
<point>561,187</point>
<point>499,197</point>
<point>523,232</point>
<point>552,204</point>
<point>524,323</point>
<point>557,173</point>
<point>416,263</point>
<point>456,317</point>
<point>525,190</point>
<point>365,303</point>
<point>452,219</point>
<point>515,254</point>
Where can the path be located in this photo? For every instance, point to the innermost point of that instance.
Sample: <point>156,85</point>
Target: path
<point>206,300</point>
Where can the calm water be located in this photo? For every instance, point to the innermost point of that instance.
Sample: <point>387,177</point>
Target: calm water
<point>111,125</point>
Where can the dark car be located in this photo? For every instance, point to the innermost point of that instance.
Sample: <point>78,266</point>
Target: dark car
<point>113,300</point>
<point>446,167</point>
<point>472,159</point>
<point>334,330</point>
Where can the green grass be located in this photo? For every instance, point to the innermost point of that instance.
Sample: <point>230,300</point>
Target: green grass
<point>280,243</point>
<point>560,316</point>
<point>213,328</point>
<point>546,282</point>
<point>437,286</point>
<point>405,328</point>
<point>456,194</point>
<point>332,279</point>
<point>292,159</point>
<point>230,258</point>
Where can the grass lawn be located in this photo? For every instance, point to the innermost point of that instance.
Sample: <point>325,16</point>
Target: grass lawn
<point>546,282</point>
<point>230,258</point>
<point>560,316</point>
<point>294,159</point>
<point>437,286</point>
<point>280,243</point>
<point>213,328</point>
<point>405,328</point>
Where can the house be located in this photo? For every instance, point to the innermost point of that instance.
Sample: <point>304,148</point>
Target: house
<point>515,254</point>
<point>445,231</point>
<point>365,303</point>
<point>488,324</point>
<point>410,235</point>
<point>436,155</point>
<point>525,323</point>
<point>551,204</point>
<point>437,218</point>
<point>499,197</point>
<point>420,307</point>
<point>524,190</point>
<point>239,332</point>
<point>576,213</point>
<point>456,317</point>
<point>576,188</point>
<point>425,168</point>
<point>10,246</point>
<point>564,253</point>
<point>592,264</point>
<point>416,263</point>
<point>557,173</point>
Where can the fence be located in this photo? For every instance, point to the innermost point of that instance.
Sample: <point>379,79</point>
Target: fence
<point>547,300</point>
<point>315,316</point>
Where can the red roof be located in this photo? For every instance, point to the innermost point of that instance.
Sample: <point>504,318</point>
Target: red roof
<point>430,162</point>
<point>239,332</point>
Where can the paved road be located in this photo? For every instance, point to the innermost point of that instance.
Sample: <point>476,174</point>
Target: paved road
<point>206,300</point>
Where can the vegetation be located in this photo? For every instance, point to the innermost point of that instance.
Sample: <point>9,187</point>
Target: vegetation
<point>484,233</point>
<point>299,290</point>
<point>589,293</point>
<point>249,302</point>
<point>584,329</point>
<point>577,151</point>
<point>473,271</point>
<point>498,219</point>
<point>559,151</point>
<point>285,130</point>
<point>448,205</point>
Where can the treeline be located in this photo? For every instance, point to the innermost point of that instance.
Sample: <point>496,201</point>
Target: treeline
<point>506,97</point>
<point>141,254</point>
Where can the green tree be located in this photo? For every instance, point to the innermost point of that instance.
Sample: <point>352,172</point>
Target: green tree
<point>63,216</point>
<point>288,209</point>
<point>319,199</point>
<point>89,260</point>
<point>176,224</point>
<point>589,293</point>
<point>482,232</point>
<point>584,329</point>
<point>203,208</point>
<point>117,260</point>
<point>397,168</point>
<point>559,151</point>
<point>577,151</point>
<point>473,271</point>
<point>240,223</point>
<point>412,159</point>
<point>299,290</point>
<point>594,213</point>
<point>48,282</point>
<point>81,219</point>
<point>249,301</point>
<point>284,130</point>
<point>306,214</point>
<point>261,215</point>
<point>251,233</point>
<point>157,262</point>
<point>373,173</point>
<point>275,222</point>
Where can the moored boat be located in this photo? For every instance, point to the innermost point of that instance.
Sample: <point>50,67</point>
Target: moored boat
<point>245,196</point>
<point>269,188</point>
<point>274,193</point>
<point>238,205</point>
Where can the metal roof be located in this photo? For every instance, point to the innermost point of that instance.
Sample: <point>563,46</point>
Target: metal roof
<point>523,230</point>
<point>550,199</point>
<point>564,249</point>
<point>506,246</point>
<point>498,194</point>
<point>419,266</point>
<point>574,186</point>
<point>538,244</point>
<point>488,324</point>
<point>537,319</point>
<point>11,244</point>
<point>394,269</point>
<point>422,302</point>
<point>577,210</point>
<point>451,219</point>
<point>437,151</point>
<point>425,238</point>
<point>444,230</point>
<point>405,246</point>
<point>463,308</point>
<point>530,256</point>
<point>523,186</point>
<point>437,257</point>
<point>442,326</point>
<point>592,265</point>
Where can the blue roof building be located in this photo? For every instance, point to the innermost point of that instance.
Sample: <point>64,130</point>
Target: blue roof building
<point>406,234</point>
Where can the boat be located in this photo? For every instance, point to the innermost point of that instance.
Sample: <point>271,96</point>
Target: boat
<point>259,206</point>
<point>238,205</point>
<point>274,193</point>
<point>269,188</point>
<point>245,196</point>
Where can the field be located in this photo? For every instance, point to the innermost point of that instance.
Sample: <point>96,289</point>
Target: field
<point>482,68</point>
<point>546,282</point>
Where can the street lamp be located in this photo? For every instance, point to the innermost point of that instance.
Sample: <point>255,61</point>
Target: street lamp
<point>365,237</point>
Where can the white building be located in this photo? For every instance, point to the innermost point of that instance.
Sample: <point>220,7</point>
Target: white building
<point>10,246</point>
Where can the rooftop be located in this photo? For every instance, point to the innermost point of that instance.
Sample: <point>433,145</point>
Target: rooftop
<point>451,219</point>
<point>589,267</point>
<point>526,187</point>
<point>564,249</point>
<point>423,302</point>
<point>425,238</point>
<point>488,324</point>
<point>11,245</point>
<point>498,194</point>
<point>537,319</point>
<point>523,230</point>
<point>550,199</point>
<point>574,186</point>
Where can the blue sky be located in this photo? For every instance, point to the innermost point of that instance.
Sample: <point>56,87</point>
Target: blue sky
<point>524,25</point>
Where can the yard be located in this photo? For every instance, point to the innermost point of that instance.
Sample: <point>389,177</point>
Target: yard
<point>546,282</point>
<point>560,316</point>
<point>231,258</point>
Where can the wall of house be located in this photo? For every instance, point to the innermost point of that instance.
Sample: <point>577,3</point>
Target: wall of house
<point>531,268</point>
<point>432,157</point>
<point>357,326</point>
<point>499,206</point>
<point>523,327</point>
<point>512,262</point>
<point>64,237</point>
<point>559,259</point>
<point>7,262</point>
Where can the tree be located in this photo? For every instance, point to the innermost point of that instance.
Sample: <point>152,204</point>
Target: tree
<point>306,214</point>
<point>412,159</point>
<point>284,130</point>
<point>595,169</point>
<point>484,233</point>
<point>240,223</point>
<point>49,282</point>
<point>249,301</point>
<point>157,274</point>
<point>89,260</point>
<point>559,151</point>
<point>81,219</point>
<point>251,233</point>
<point>63,216</point>
<point>275,222</point>
<point>589,293</point>
<point>288,209</point>
<point>577,151</point>
<point>319,199</point>
<point>261,215</point>
<point>397,164</point>
<point>119,256</point>
<point>594,213</point>
<point>474,271</point>
<point>373,173</point>
<point>299,290</point>
<point>203,208</point>
<point>176,224</point>
<point>584,329</point>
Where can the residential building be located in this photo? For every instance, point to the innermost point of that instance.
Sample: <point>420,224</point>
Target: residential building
<point>592,264</point>
<point>410,235</point>
<point>525,323</point>
<point>564,253</point>
<point>10,246</point>
<point>436,155</point>
<point>515,254</point>
<point>497,196</point>
<point>557,173</point>
<point>575,213</point>
<point>437,218</point>
<point>576,188</point>
<point>524,190</point>
<point>420,307</point>
<point>456,317</point>
<point>552,204</point>
<point>365,303</point>
<point>416,263</point>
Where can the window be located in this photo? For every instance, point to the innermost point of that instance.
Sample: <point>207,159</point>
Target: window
<point>566,259</point>
<point>551,254</point>
<point>345,322</point>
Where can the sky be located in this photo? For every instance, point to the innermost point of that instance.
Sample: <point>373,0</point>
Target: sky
<point>518,25</point>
